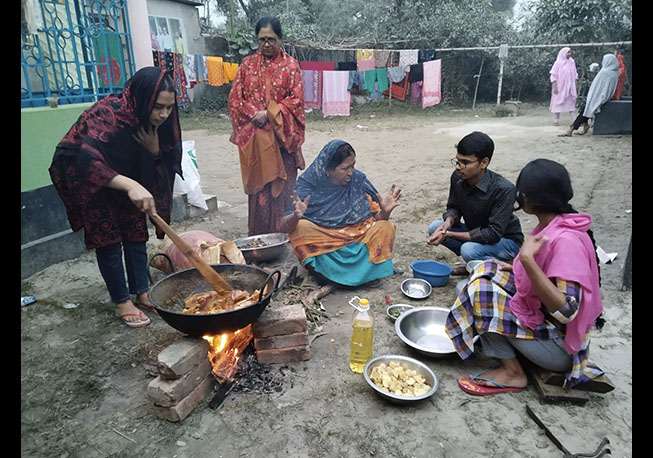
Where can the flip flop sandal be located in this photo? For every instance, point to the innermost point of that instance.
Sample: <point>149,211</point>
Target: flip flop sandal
<point>460,268</point>
<point>468,386</point>
<point>134,324</point>
<point>145,306</point>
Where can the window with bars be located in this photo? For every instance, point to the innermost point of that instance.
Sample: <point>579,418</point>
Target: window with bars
<point>74,51</point>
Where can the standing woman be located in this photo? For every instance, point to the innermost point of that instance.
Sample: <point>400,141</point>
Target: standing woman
<point>114,165</point>
<point>266,105</point>
<point>601,91</point>
<point>563,86</point>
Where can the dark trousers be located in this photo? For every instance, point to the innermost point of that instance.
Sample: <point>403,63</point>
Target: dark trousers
<point>580,119</point>
<point>109,259</point>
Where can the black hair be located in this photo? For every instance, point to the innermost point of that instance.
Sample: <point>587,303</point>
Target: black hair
<point>266,21</point>
<point>477,144</point>
<point>547,186</point>
<point>343,152</point>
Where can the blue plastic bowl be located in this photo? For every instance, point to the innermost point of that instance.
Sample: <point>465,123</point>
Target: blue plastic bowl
<point>434,272</point>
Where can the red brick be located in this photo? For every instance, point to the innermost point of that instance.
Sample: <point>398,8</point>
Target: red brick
<point>285,355</point>
<point>180,357</point>
<point>290,319</point>
<point>168,392</point>
<point>184,407</point>
<point>279,342</point>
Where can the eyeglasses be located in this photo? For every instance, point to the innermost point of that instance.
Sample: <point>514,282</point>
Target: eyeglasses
<point>455,162</point>
<point>271,40</point>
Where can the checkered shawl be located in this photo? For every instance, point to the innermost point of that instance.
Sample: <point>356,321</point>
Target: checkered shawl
<point>484,306</point>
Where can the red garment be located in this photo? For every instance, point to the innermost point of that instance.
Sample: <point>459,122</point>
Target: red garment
<point>250,94</point>
<point>622,78</point>
<point>100,146</point>
<point>319,67</point>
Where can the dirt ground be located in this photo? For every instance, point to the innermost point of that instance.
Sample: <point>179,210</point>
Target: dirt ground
<point>84,374</point>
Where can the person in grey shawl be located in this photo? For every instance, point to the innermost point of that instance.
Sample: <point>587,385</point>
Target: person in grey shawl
<point>601,90</point>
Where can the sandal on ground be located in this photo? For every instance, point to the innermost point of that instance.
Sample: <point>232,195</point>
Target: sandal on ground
<point>144,320</point>
<point>149,307</point>
<point>468,386</point>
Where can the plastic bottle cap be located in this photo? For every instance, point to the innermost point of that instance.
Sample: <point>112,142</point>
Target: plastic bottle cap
<point>364,302</point>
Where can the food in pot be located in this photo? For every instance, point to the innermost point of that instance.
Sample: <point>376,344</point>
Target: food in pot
<point>397,379</point>
<point>255,243</point>
<point>212,302</point>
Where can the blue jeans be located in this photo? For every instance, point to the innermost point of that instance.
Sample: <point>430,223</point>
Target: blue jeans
<point>109,259</point>
<point>504,250</point>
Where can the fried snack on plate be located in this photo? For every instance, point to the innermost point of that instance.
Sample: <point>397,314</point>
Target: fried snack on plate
<point>397,379</point>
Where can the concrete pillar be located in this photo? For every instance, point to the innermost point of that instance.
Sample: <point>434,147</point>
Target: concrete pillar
<point>140,33</point>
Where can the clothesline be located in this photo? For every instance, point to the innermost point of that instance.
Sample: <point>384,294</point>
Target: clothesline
<point>480,48</point>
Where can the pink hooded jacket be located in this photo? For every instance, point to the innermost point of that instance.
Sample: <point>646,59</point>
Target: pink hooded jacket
<point>568,254</point>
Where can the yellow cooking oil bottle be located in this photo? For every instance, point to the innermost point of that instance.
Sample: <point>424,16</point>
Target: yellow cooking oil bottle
<point>362,336</point>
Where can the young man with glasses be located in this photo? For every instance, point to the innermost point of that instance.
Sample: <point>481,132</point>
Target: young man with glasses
<point>484,200</point>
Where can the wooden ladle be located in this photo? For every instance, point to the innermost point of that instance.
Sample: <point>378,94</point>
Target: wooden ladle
<point>213,278</point>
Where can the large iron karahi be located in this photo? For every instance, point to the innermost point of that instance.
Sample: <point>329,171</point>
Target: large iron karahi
<point>168,296</point>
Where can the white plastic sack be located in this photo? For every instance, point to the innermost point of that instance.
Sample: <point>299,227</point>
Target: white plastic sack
<point>190,185</point>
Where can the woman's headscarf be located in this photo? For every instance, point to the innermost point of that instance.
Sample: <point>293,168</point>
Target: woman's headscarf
<point>603,86</point>
<point>334,205</point>
<point>565,74</point>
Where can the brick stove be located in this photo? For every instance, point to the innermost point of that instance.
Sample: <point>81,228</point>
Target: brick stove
<point>185,377</point>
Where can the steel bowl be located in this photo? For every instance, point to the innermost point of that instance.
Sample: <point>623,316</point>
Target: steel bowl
<point>471,265</point>
<point>422,329</point>
<point>392,310</point>
<point>421,368</point>
<point>273,246</point>
<point>416,288</point>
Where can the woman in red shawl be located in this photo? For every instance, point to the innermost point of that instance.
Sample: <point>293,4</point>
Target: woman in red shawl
<point>266,104</point>
<point>114,165</point>
<point>622,76</point>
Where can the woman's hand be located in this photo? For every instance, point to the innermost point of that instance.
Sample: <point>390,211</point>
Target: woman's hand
<point>389,202</point>
<point>299,207</point>
<point>260,118</point>
<point>503,266</point>
<point>531,246</point>
<point>142,199</point>
<point>148,139</point>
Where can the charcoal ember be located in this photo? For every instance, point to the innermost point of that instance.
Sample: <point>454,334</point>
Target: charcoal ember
<point>259,378</point>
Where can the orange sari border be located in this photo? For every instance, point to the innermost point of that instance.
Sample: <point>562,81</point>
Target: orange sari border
<point>310,240</point>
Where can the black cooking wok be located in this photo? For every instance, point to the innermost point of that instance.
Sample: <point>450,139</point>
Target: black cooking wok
<point>168,296</point>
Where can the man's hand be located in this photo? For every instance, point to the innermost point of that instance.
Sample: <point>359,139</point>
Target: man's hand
<point>148,139</point>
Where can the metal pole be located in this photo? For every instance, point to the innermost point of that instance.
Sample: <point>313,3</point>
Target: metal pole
<point>500,83</point>
<point>478,80</point>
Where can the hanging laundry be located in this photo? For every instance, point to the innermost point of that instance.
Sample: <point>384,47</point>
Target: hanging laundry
<point>180,81</point>
<point>318,67</point>
<point>346,66</point>
<point>381,58</point>
<point>205,69</point>
<point>230,71</point>
<point>336,99</point>
<point>199,68</point>
<point>215,70</point>
<point>416,91</point>
<point>382,78</point>
<point>416,73</point>
<point>312,94</point>
<point>431,94</point>
<point>397,74</point>
<point>370,79</point>
<point>155,58</point>
<point>357,79</point>
<point>408,56</point>
<point>365,59</point>
<point>167,60</point>
<point>189,68</point>
<point>425,55</point>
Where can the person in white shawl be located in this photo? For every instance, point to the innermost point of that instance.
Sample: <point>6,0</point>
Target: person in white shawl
<point>601,90</point>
